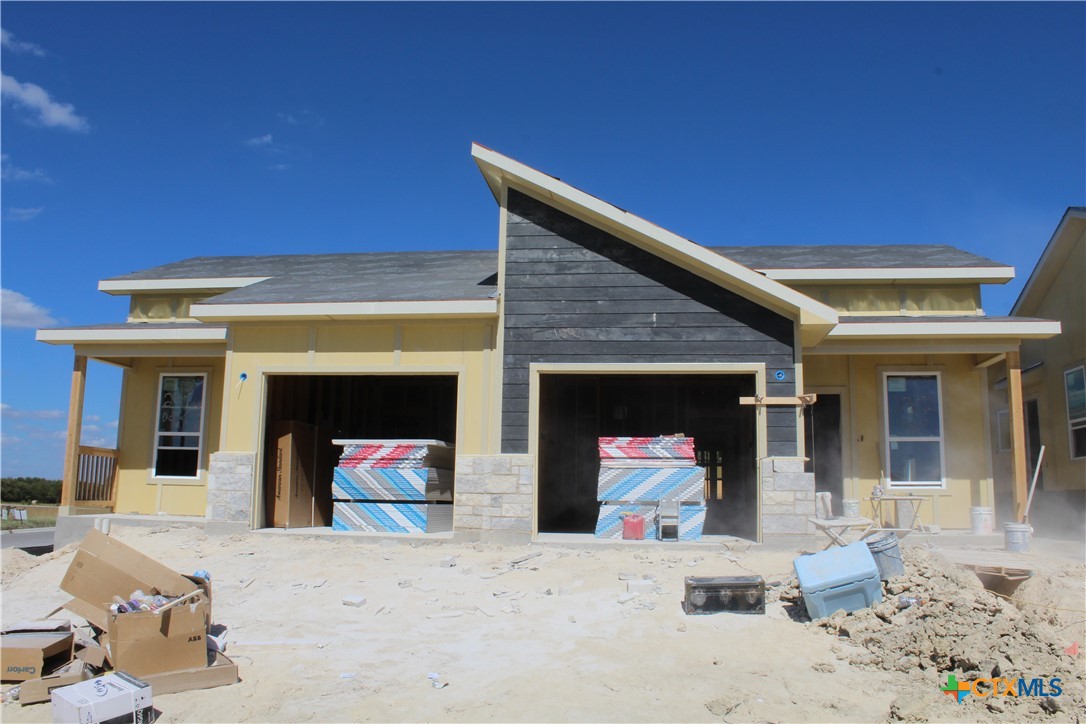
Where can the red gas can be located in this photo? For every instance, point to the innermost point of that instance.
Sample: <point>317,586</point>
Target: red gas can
<point>633,527</point>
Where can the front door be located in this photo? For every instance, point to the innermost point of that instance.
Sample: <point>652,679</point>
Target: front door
<point>822,430</point>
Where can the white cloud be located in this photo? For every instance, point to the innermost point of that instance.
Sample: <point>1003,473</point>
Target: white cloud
<point>36,99</point>
<point>10,172</point>
<point>23,214</point>
<point>301,118</point>
<point>264,140</point>
<point>20,46</point>
<point>279,167</point>
<point>9,411</point>
<point>17,311</point>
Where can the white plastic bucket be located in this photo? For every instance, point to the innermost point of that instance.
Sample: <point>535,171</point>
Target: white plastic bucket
<point>850,508</point>
<point>982,520</point>
<point>1016,537</point>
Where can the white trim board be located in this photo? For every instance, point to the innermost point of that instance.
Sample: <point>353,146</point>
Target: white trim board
<point>132,286</point>
<point>996,274</point>
<point>197,333</point>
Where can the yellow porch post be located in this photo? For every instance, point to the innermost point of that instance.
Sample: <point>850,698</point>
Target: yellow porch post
<point>75,430</point>
<point>1018,433</point>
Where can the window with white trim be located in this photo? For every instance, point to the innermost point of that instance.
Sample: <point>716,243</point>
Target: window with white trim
<point>913,425</point>
<point>180,425</point>
<point>1074,385</point>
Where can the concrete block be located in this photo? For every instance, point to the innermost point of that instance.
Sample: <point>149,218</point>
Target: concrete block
<point>517,511</point>
<point>784,524</point>
<point>501,484</point>
<point>467,521</point>
<point>230,481</point>
<point>470,483</point>
<point>498,465</point>
<point>778,510</point>
<point>788,465</point>
<point>525,476</point>
<point>777,497</point>
<point>794,481</point>
<point>514,524</point>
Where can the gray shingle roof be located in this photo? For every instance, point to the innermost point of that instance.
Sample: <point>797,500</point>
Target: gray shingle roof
<point>378,276</point>
<point>457,275</point>
<point>897,256</point>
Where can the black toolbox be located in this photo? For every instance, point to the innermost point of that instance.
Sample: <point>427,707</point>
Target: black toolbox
<point>713,594</point>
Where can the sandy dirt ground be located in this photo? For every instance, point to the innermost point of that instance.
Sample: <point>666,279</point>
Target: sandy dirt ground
<point>556,638</point>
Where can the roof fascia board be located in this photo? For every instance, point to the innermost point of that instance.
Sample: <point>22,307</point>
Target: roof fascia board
<point>498,169</point>
<point>136,286</point>
<point>1026,329</point>
<point>1070,226</point>
<point>346,310</point>
<point>912,346</point>
<point>997,274</point>
<point>128,336</point>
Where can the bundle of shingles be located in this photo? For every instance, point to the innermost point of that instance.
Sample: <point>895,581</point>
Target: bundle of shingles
<point>393,486</point>
<point>637,474</point>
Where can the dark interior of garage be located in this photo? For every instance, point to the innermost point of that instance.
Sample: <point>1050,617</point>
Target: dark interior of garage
<point>576,410</point>
<point>316,409</point>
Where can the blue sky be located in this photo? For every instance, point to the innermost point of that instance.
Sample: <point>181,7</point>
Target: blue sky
<point>135,134</point>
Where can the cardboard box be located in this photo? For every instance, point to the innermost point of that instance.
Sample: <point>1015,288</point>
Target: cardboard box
<point>298,477</point>
<point>35,691</point>
<point>145,642</point>
<point>33,654</point>
<point>116,697</point>
<point>103,567</point>
<point>221,672</point>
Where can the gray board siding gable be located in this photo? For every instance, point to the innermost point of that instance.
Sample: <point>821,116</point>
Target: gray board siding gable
<point>577,294</point>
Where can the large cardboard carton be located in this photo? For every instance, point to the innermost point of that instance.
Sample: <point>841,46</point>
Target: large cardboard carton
<point>111,698</point>
<point>148,642</point>
<point>35,691</point>
<point>33,654</point>
<point>220,672</point>
<point>103,567</point>
<point>298,477</point>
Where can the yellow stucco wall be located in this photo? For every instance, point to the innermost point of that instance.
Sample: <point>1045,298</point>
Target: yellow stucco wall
<point>967,471</point>
<point>454,347</point>
<point>138,491</point>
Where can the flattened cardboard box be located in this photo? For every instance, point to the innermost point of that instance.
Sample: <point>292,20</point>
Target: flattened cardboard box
<point>144,642</point>
<point>221,672</point>
<point>103,567</point>
<point>35,691</point>
<point>32,654</point>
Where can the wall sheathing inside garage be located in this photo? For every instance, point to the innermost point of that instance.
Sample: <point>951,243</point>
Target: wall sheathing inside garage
<point>576,295</point>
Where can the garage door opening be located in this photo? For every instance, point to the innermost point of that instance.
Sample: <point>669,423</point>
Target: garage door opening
<point>576,410</point>
<point>314,410</point>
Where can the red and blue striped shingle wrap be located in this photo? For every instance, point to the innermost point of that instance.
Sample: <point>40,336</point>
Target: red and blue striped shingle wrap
<point>651,484</point>
<point>647,448</point>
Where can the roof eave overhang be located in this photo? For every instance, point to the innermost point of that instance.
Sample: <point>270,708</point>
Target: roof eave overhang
<point>310,311</point>
<point>958,275</point>
<point>963,330</point>
<point>175,286</point>
<point>195,335</point>
<point>1071,226</point>
<point>815,318</point>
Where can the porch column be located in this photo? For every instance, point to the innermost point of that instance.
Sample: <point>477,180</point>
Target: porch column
<point>1018,433</point>
<point>75,430</point>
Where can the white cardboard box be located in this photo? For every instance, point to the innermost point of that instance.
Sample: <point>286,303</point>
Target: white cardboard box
<point>115,697</point>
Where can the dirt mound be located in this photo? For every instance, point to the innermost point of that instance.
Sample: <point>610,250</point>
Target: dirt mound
<point>947,623</point>
<point>15,563</point>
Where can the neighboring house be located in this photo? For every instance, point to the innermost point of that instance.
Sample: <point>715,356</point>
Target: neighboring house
<point>586,321</point>
<point>1053,396</point>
